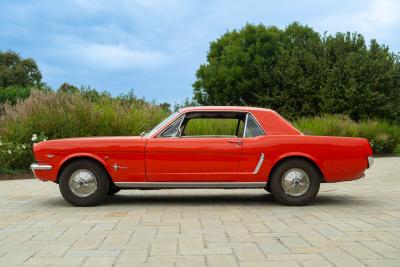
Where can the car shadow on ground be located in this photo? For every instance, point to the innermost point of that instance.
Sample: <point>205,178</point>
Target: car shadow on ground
<point>231,199</point>
<point>192,199</point>
<point>226,199</point>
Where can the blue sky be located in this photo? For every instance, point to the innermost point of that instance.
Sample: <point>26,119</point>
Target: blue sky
<point>155,46</point>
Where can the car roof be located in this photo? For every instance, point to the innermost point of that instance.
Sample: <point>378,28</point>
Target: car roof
<point>223,108</point>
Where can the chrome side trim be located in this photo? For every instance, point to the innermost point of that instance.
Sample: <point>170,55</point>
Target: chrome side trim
<point>41,167</point>
<point>259,164</point>
<point>193,185</point>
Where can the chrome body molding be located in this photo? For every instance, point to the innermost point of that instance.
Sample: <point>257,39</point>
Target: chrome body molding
<point>194,185</point>
<point>41,167</point>
<point>259,163</point>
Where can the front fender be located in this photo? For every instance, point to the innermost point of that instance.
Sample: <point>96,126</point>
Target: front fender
<point>83,155</point>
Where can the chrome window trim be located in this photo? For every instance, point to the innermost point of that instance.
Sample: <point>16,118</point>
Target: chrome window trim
<point>180,125</point>
<point>256,121</point>
<point>194,185</point>
<point>155,135</point>
<point>159,135</point>
<point>245,125</point>
<point>259,164</point>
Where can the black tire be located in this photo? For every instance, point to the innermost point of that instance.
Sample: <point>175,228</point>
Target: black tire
<point>100,175</point>
<point>268,188</point>
<point>113,189</point>
<point>278,191</point>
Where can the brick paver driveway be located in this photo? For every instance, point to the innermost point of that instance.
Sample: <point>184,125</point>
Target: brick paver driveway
<point>350,224</point>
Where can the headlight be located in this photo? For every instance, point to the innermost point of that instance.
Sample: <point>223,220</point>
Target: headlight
<point>370,161</point>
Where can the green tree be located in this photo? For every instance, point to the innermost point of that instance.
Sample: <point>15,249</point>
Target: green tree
<point>299,72</point>
<point>13,93</point>
<point>16,71</point>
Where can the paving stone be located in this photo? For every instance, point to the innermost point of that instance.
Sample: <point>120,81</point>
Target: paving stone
<point>342,259</point>
<point>350,224</point>
<point>99,262</point>
<point>221,260</point>
<point>42,261</point>
<point>132,256</point>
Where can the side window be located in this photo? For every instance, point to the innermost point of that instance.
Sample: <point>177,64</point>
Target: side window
<point>173,129</point>
<point>215,127</point>
<point>252,128</point>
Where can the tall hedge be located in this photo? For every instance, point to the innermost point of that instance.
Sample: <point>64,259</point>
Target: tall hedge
<point>299,72</point>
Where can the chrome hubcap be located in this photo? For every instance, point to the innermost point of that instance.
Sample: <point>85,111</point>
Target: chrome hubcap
<point>83,183</point>
<point>295,182</point>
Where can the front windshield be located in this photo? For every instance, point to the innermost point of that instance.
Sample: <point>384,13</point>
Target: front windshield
<point>161,124</point>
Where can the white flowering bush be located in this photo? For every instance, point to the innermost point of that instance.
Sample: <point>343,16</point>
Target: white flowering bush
<point>14,156</point>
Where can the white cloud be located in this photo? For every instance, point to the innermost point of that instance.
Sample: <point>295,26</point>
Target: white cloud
<point>110,57</point>
<point>377,16</point>
<point>373,18</point>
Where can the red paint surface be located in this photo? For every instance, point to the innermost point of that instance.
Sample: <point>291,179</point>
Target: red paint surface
<point>210,159</point>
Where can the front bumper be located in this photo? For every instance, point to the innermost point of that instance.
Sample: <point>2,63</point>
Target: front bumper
<point>40,167</point>
<point>370,161</point>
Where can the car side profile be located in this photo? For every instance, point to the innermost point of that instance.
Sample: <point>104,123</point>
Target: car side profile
<point>204,147</point>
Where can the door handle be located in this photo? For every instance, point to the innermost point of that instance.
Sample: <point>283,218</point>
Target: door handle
<point>238,142</point>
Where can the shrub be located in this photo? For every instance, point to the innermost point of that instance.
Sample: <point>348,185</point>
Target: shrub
<point>15,156</point>
<point>60,115</point>
<point>383,136</point>
<point>13,94</point>
<point>65,114</point>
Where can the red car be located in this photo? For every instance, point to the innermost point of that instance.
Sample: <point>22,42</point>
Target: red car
<point>204,147</point>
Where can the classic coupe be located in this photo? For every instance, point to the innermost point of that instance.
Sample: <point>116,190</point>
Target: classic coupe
<point>204,147</point>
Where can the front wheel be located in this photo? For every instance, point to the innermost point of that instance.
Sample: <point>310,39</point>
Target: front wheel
<point>84,183</point>
<point>295,182</point>
<point>113,189</point>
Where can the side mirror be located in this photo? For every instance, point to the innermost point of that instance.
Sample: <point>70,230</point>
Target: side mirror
<point>144,133</point>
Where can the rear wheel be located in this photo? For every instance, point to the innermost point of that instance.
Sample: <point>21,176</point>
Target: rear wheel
<point>84,183</point>
<point>295,182</point>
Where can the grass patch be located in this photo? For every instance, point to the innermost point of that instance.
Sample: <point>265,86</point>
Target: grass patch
<point>383,136</point>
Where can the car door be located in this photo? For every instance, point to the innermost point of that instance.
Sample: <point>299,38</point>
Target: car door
<point>181,157</point>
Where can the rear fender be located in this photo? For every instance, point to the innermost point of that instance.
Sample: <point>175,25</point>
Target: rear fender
<point>284,156</point>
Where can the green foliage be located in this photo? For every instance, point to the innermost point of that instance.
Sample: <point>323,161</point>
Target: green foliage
<point>13,93</point>
<point>15,71</point>
<point>384,137</point>
<point>298,72</point>
<point>18,156</point>
<point>208,126</point>
<point>59,115</point>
